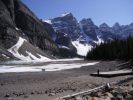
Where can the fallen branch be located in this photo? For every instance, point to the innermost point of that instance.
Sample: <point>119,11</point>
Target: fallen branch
<point>83,92</point>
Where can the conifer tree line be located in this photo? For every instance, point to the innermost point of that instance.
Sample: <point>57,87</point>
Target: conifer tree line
<point>117,49</point>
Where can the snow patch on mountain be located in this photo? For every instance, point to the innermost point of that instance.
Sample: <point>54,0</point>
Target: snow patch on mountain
<point>42,58</point>
<point>5,56</point>
<point>15,51</point>
<point>99,41</point>
<point>47,21</point>
<point>62,46</point>
<point>82,48</point>
<point>17,29</point>
<point>65,14</point>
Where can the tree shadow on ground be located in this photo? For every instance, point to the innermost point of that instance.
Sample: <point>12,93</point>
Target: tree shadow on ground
<point>125,65</point>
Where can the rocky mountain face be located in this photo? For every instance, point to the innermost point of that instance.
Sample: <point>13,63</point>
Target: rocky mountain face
<point>85,34</point>
<point>20,27</point>
<point>33,28</point>
<point>65,45</point>
<point>89,28</point>
<point>67,24</point>
<point>49,29</point>
<point>67,29</point>
<point>106,33</point>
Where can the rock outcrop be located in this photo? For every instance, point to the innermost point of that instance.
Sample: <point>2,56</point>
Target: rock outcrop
<point>17,20</point>
<point>5,55</point>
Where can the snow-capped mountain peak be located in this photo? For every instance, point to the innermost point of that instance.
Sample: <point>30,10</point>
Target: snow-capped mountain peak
<point>84,33</point>
<point>66,14</point>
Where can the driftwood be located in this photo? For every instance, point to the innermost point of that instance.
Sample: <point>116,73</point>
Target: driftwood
<point>80,94</point>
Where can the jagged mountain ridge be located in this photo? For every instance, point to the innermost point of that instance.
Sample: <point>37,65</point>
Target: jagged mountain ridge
<point>86,33</point>
<point>19,25</point>
<point>68,36</point>
<point>68,29</point>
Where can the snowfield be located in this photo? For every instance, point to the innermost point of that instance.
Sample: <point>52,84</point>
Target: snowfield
<point>58,66</point>
<point>23,62</point>
<point>82,49</point>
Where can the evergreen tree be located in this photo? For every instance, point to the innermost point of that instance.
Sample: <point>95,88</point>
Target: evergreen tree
<point>117,49</point>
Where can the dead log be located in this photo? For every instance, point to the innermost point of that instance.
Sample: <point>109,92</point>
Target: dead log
<point>81,93</point>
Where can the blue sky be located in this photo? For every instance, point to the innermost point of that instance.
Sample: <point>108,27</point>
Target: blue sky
<point>109,11</point>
